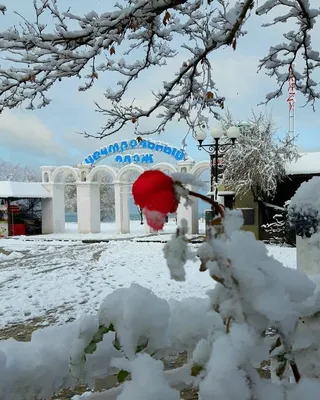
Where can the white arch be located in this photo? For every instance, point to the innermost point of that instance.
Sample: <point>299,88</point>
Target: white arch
<point>199,168</point>
<point>165,166</point>
<point>109,170</point>
<point>64,170</point>
<point>130,167</point>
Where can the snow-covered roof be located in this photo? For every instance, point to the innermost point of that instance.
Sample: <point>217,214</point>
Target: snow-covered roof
<point>23,190</point>
<point>307,163</point>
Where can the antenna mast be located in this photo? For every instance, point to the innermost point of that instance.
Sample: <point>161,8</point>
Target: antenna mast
<point>291,101</point>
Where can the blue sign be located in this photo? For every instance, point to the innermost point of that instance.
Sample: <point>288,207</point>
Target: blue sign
<point>137,158</point>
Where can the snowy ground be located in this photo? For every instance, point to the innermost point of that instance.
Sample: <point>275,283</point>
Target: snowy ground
<point>65,279</point>
<point>108,231</point>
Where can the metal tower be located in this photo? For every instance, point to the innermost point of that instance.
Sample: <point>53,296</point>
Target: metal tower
<point>291,101</point>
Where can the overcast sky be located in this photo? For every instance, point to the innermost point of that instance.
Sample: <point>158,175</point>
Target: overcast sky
<point>48,136</point>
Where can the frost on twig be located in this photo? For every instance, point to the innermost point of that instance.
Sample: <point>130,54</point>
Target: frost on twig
<point>184,180</point>
<point>157,31</point>
<point>187,179</point>
<point>176,252</point>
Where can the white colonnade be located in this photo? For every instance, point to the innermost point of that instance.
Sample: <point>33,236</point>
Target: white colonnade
<point>88,195</point>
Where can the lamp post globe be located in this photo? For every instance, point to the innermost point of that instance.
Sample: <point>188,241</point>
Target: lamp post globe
<point>216,150</point>
<point>200,136</point>
<point>233,132</point>
<point>217,133</point>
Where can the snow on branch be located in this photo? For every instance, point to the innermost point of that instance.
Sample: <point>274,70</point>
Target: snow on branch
<point>42,58</point>
<point>153,32</point>
<point>104,344</point>
<point>298,43</point>
<point>176,378</point>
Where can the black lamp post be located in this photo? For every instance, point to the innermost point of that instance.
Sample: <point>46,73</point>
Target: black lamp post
<point>216,150</point>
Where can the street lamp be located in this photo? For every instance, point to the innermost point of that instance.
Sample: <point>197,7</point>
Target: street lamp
<point>216,150</point>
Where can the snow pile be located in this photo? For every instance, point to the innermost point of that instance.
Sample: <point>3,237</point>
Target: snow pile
<point>41,367</point>
<point>190,321</point>
<point>89,336</point>
<point>13,255</point>
<point>304,208</point>
<point>57,356</point>
<point>139,317</point>
<point>263,282</point>
<point>37,369</point>
<point>148,380</point>
<point>224,376</point>
<point>225,333</point>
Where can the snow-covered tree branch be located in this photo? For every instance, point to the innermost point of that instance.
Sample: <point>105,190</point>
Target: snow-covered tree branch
<point>18,173</point>
<point>258,162</point>
<point>298,43</point>
<point>152,31</point>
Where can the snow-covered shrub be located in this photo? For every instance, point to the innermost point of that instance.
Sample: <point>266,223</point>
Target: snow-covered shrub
<point>131,321</point>
<point>225,334</point>
<point>304,208</point>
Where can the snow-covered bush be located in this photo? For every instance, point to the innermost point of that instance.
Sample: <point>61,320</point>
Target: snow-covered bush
<point>131,321</point>
<point>227,335</point>
<point>304,208</point>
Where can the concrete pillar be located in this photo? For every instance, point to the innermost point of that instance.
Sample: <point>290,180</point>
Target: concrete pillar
<point>53,210</point>
<point>88,207</point>
<point>122,213</point>
<point>125,208</point>
<point>185,165</point>
<point>220,199</point>
<point>308,255</point>
<point>194,227</point>
<point>46,174</point>
<point>46,216</point>
<point>189,213</point>
<point>117,206</point>
<point>84,171</point>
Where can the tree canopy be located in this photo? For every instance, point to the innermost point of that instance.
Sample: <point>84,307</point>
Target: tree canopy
<point>258,162</point>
